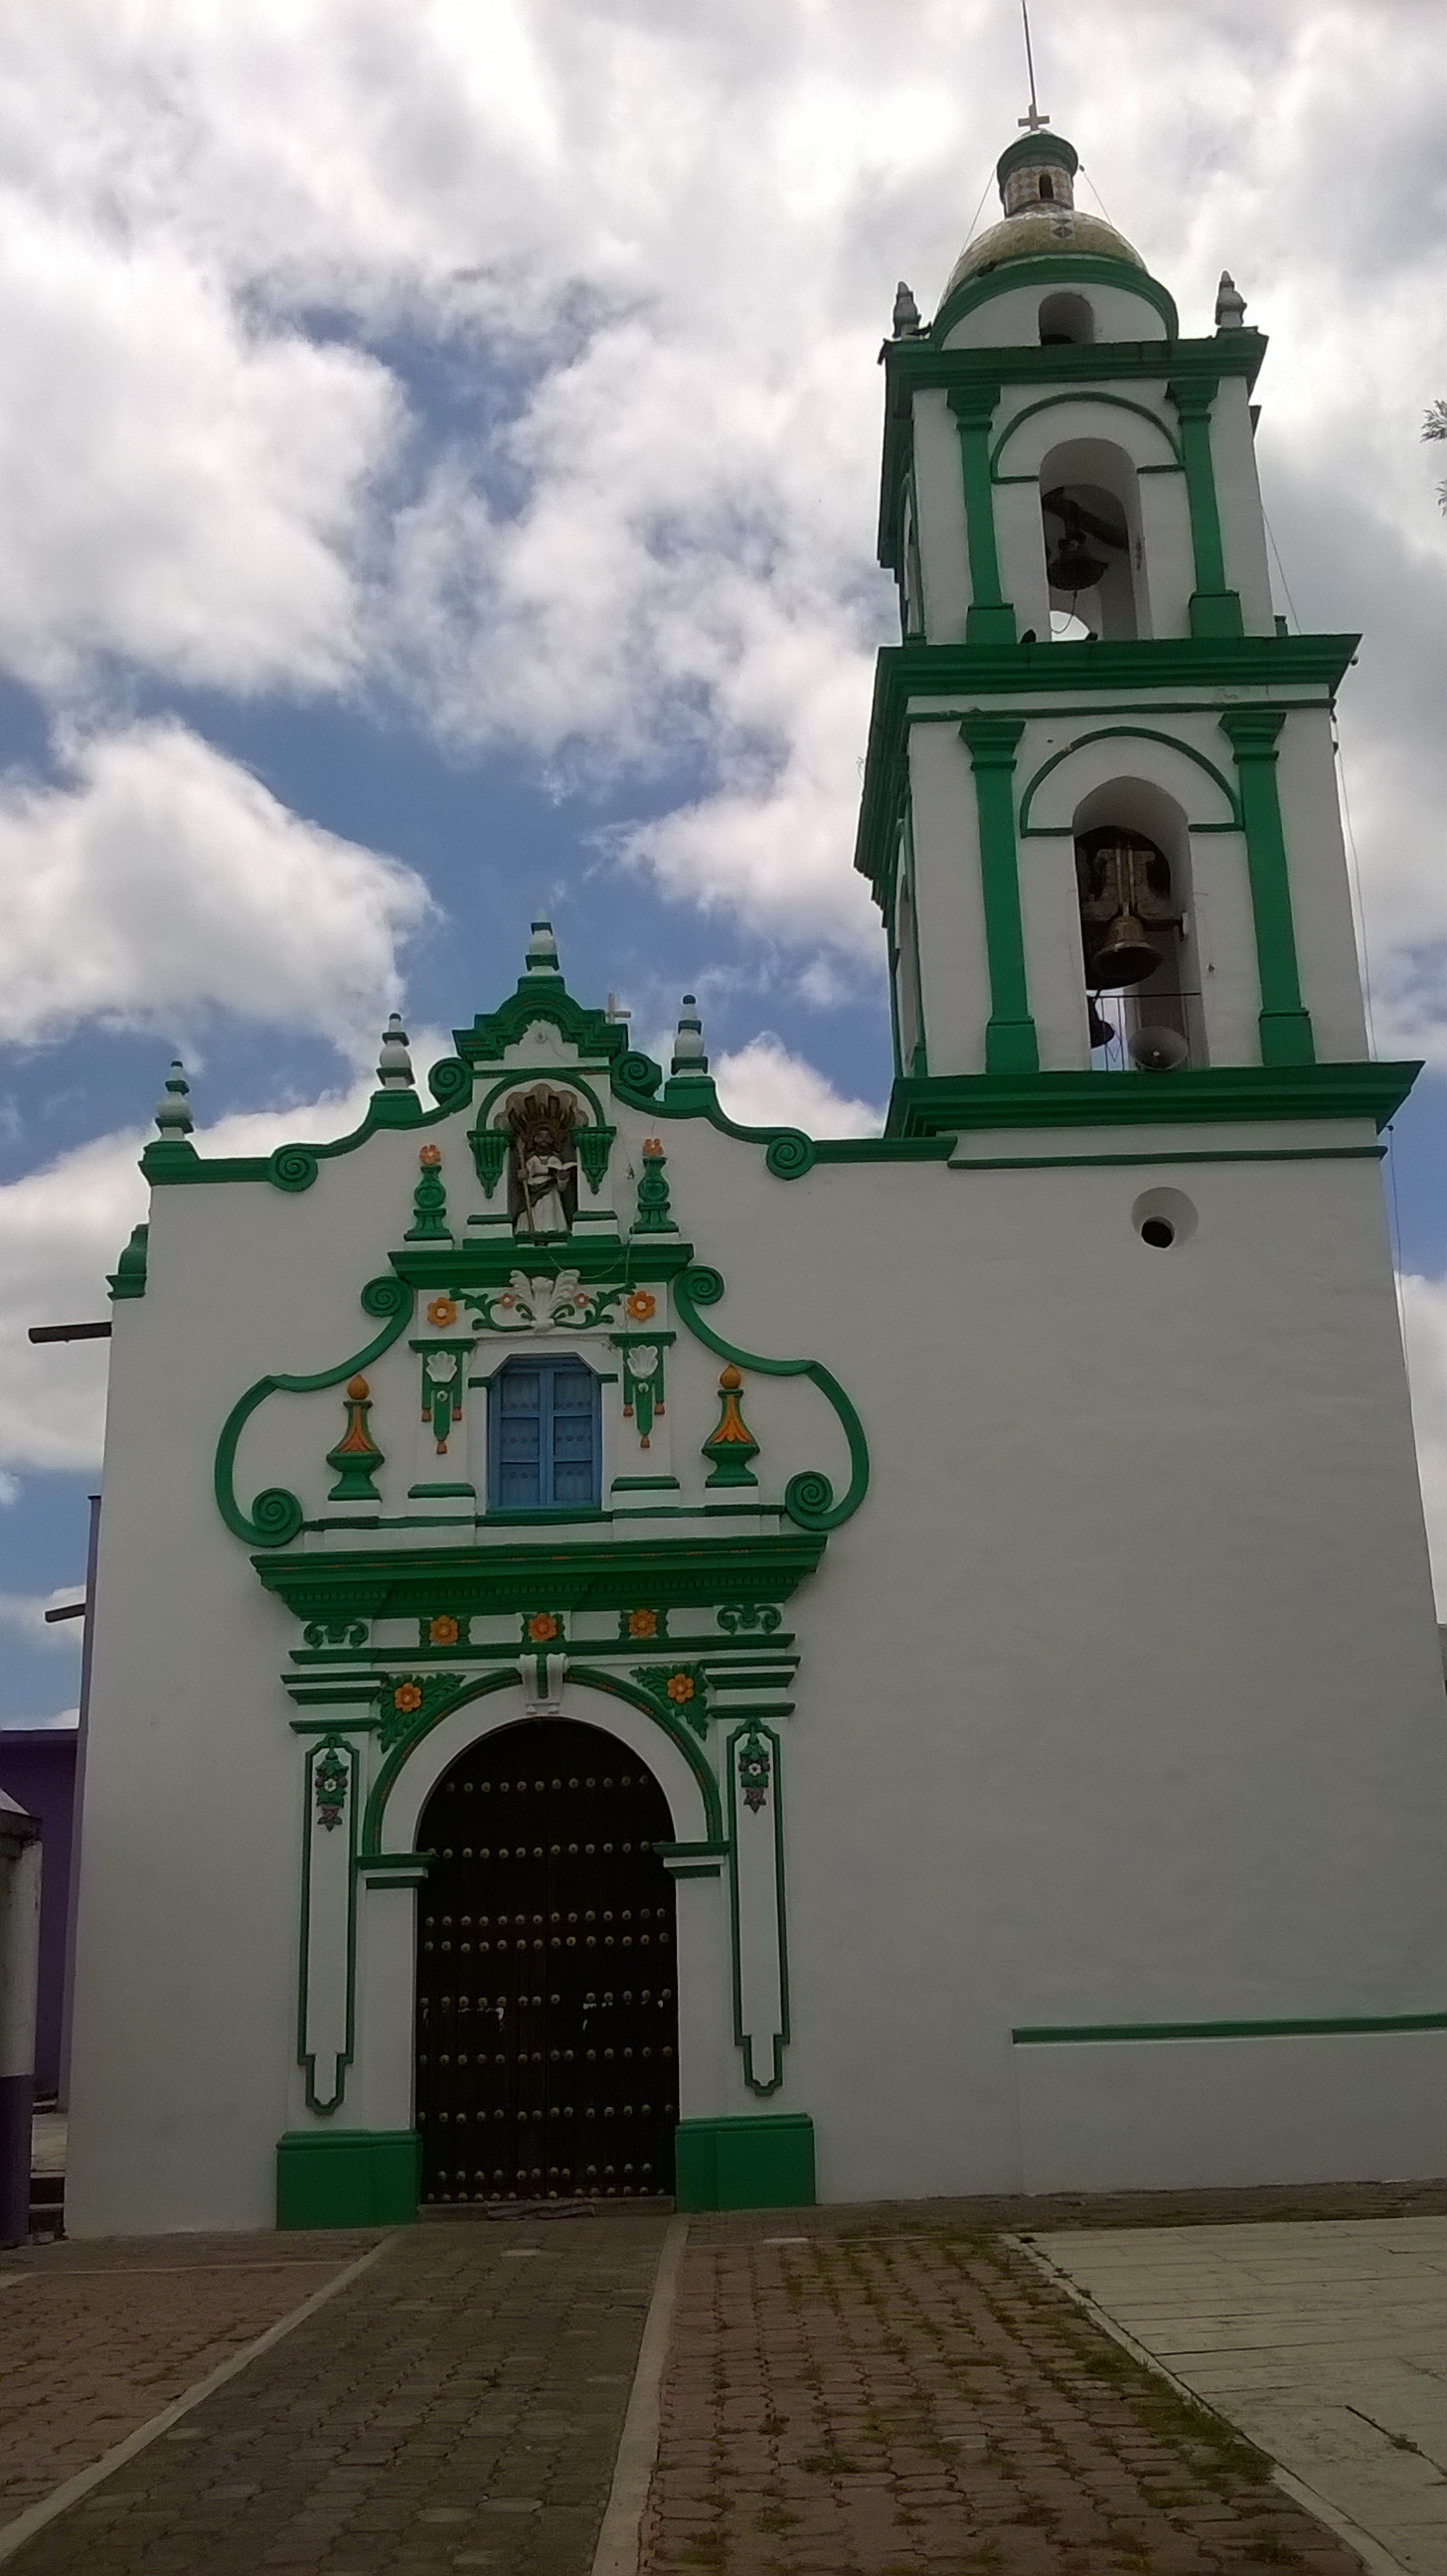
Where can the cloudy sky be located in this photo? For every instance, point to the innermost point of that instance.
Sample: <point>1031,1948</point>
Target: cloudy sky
<point>437,478</point>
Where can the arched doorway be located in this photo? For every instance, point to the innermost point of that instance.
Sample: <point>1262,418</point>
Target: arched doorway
<point>547,1988</point>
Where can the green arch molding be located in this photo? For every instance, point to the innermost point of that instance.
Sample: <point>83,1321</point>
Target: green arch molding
<point>808,1498</point>
<point>586,1676</point>
<point>276,1516</point>
<point>1083,394</point>
<point>558,1073</point>
<point>1129,733</point>
<point>1077,268</point>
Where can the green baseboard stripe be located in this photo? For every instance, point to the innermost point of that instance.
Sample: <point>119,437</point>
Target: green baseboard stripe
<point>348,2177</point>
<point>1049,2035</point>
<point>760,2160</point>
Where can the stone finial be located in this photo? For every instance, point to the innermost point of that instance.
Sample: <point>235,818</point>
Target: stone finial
<point>688,1054</point>
<point>542,951</point>
<point>173,1116</point>
<point>906,322</point>
<point>394,1064</point>
<point>1230,304</point>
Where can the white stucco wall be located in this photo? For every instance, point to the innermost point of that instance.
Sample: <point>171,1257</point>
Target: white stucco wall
<point>1120,1699</point>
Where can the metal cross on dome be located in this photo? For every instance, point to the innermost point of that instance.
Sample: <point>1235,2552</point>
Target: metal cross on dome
<point>1035,119</point>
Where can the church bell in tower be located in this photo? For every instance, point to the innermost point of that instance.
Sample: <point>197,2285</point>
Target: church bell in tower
<point>1127,910</point>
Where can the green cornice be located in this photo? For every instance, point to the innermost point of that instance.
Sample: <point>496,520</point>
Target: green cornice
<point>911,366</point>
<point>1062,268</point>
<point>1022,672</point>
<point>955,1103</point>
<point>488,1261</point>
<point>587,1574</point>
<point>294,1167</point>
<point>542,997</point>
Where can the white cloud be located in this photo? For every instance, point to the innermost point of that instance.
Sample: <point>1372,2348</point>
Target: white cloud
<point>763,1085</point>
<point>61,1231</point>
<point>23,1613</point>
<point>162,878</point>
<point>180,485</point>
<point>10,1489</point>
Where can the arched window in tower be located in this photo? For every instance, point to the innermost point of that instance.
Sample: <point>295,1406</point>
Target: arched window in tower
<point>1137,943</point>
<point>1047,188</point>
<point>1066,322</point>
<point>1091,532</point>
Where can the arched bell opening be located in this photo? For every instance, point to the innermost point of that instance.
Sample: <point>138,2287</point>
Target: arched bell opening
<point>1067,321</point>
<point>1090,522</point>
<point>547,1982</point>
<point>1137,931</point>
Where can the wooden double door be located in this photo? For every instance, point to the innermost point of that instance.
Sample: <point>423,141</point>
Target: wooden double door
<point>547,1987</point>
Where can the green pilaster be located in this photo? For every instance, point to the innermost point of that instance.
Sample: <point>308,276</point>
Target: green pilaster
<point>1010,1043</point>
<point>1285,1025</point>
<point>989,618</point>
<point>1215,610</point>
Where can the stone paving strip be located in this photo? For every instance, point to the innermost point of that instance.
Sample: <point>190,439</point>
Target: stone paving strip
<point>855,2395</point>
<point>97,2339</point>
<point>1327,2344</point>
<point>457,2406</point>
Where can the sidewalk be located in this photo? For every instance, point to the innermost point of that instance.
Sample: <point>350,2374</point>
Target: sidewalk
<point>847,2392</point>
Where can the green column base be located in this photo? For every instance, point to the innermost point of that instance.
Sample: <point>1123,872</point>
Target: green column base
<point>1216,612</point>
<point>348,2177</point>
<point>1286,1037</point>
<point>1011,1046</point>
<point>986,623</point>
<point>761,2160</point>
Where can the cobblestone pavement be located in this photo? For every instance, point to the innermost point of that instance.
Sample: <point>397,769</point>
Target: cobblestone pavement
<point>96,2339</point>
<point>457,2406</point>
<point>878,2394</point>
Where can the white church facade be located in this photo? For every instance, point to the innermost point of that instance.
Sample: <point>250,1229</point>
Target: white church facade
<point>634,1654</point>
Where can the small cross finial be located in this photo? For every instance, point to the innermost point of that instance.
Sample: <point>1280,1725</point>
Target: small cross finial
<point>1035,119</point>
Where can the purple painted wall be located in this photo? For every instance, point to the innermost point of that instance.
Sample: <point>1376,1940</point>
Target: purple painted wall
<point>37,1767</point>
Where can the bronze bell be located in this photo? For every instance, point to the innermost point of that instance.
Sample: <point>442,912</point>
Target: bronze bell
<point>1126,955</point>
<point>1072,567</point>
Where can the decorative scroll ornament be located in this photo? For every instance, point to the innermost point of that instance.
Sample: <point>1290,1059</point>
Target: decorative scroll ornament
<point>331,1773</point>
<point>734,1615</point>
<point>643,1385</point>
<point>429,1201</point>
<point>442,1391</point>
<point>653,1194</point>
<point>731,1445</point>
<point>321,1633</point>
<point>541,1305</point>
<point>356,1456</point>
<point>755,1770</point>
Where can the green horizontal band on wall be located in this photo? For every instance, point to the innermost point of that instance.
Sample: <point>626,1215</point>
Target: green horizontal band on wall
<point>1049,2035</point>
<point>762,2160</point>
<point>348,2177</point>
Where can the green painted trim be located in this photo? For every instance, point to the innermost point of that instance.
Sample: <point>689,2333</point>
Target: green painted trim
<point>1214,609</point>
<point>441,1493</point>
<point>1078,394</point>
<point>1225,1092</point>
<point>581,1574</point>
<point>638,1484</point>
<point>1116,1162</point>
<point>1011,1046</point>
<point>988,619</point>
<point>1055,2035</point>
<point>295,1167</point>
<point>1285,1026</point>
<point>128,1279</point>
<point>757,2160</point>
<point>1132,733</point>
<point>1128,671</point>
<point>276,1515</point>
<point>348,2177</point>
<point>750,1728</point>
<point>1079,268</point>
<point>809,1497</point>
<point>332,1740</point>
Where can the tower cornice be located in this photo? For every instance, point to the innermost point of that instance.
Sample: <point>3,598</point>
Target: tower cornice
<point>913,366</point>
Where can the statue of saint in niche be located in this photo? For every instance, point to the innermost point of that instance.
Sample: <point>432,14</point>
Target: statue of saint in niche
<point>543,1187</point>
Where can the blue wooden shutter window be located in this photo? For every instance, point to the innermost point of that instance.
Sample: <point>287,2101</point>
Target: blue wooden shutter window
<point>544,1445</point>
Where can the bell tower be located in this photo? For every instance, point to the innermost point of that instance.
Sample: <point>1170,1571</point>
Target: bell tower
<point>1099,810</point>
